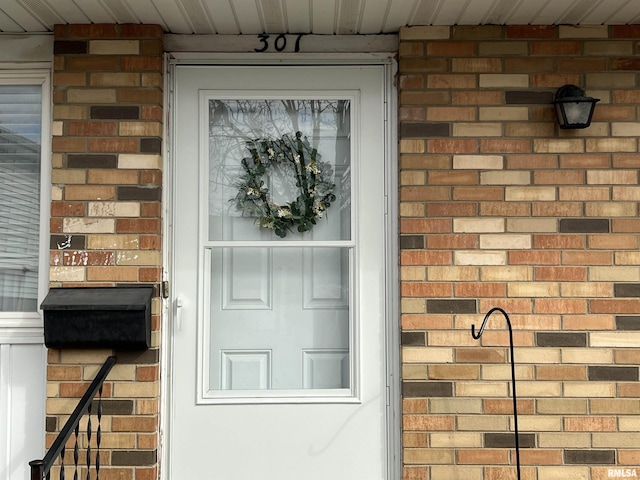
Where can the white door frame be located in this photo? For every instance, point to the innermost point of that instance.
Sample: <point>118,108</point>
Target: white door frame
<point>394,410</point>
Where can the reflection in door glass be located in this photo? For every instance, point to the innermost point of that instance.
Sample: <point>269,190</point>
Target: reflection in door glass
<point>279,319</point>
<point>246,140</point>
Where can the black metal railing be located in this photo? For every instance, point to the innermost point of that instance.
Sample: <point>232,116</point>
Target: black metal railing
<point>40,469</point>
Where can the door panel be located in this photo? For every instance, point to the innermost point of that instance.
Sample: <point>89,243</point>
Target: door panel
<point>278,349</point>
<point>271,282</point>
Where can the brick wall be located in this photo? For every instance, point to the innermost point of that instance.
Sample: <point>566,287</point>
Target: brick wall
<point>106,221</point>
<point>500,208</point>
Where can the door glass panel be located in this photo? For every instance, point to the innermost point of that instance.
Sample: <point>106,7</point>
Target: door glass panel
<point>278,167</point>
<point>279,170</point>
<point>279,319</point>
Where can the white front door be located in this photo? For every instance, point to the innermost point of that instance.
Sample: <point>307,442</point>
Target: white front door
<point>278,364</point>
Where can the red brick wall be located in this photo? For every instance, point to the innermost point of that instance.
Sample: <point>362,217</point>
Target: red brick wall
<point>106,221</point>
<point>500,208</point>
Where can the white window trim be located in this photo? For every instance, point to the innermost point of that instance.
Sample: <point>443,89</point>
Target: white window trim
<point>14,325</point>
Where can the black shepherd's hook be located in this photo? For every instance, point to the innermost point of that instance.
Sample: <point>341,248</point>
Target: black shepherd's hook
<point>513,374</point>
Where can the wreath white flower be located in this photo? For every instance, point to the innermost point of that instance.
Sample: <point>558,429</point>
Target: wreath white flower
<point>313,178</point>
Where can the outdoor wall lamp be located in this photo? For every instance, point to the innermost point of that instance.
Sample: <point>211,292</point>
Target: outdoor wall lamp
<point>574,110</point>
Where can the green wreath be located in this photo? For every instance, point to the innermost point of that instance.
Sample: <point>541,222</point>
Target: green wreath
<point>313,178</point>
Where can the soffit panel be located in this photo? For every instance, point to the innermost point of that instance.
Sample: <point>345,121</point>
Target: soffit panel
<point>252,17</point>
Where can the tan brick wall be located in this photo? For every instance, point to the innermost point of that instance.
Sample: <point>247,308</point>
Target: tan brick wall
<point>500,208</point>
<point>106,222</point>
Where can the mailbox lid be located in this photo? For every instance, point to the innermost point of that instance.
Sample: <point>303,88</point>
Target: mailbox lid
<point>98,298</point>
<point>98,317</point>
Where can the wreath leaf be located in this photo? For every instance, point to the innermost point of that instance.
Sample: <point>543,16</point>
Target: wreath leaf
<point>313,178</point>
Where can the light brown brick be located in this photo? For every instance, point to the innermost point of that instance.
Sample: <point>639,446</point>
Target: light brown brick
<point>413,439</point>
<point>427,355</point>
<point>629,457</point>
<point>112,274</point>
<point>541,457</point>
<point>539,389</point>
<point>561,372</point>
<point>482,457</point>
<point>615,440</point>
<point>595,389</point>
<point>443,81</point>
<point>505,407</point>
<point>412,146</point>
<point>590,424</point>
<point>91,128</point>
<point>496,80</point>
<point>466,472</point>
<point>505,178</point>
<point>68,176</point>
<point>455,439</point>
<point>611,145</point>
<point>481,389</point>
<point>134,424</point>
<point>524,193</point>
<point>427,456</point>
<point>504,145</point>
<point>562,406</point>
<point>590,322</point>
<point>564,440</point>
<point>456,114</point>
<point>145,406</point>
<point>74,192</point>
<point>69,79</point>
<point>608,210</point>
<point>449,372</point>
<point>477,65</point>
<point>112,177</point>
<point>91,95</point>
<point>427,422</point>
<point>559,472</point>
<point>614,406</point>
<point>68,144</point>
<point>414,405</point>
<point>414,473</point>
<point>140,129</point>
<point>69,112</point>
<point>112,145</point>
<point>503,372</point>
<point>511,209</point>
<point>55,372</point>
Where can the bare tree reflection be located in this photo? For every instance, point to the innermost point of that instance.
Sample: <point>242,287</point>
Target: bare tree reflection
<point>326,123</point>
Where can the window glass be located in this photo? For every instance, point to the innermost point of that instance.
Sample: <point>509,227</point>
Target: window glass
<point>279,169</point>
<point>280,316</point>
<point>279,320</point>
<point>20,154</point>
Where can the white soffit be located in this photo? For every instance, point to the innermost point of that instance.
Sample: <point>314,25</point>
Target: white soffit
<point>320,17</point>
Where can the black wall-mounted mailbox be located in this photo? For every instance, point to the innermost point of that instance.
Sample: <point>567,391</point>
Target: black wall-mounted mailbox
<point>98,317</point>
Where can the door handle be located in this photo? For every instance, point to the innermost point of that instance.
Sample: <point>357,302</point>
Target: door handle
<point>177,312</point>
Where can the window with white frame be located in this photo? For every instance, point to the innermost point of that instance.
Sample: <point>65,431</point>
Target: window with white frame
<point>25,185</point>
<point>21,201</point>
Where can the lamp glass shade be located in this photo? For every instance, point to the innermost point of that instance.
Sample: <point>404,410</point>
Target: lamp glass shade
<point>574,110</point>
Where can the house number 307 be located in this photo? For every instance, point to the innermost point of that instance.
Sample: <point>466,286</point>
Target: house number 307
<point>279,43</point>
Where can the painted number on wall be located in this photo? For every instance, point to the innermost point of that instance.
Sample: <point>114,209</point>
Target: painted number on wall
<point>269,43</point>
